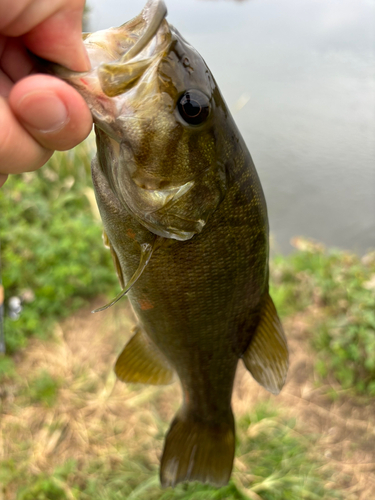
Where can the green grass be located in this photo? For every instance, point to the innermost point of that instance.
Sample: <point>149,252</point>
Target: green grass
<point>51,248</point>
<point>338,288</point>
<point>7,367</point>
<point>43,389</point>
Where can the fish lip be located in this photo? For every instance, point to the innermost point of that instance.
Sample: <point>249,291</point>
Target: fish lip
<point>117,66</point>
<point>115,77</point>
<point>154,12</point>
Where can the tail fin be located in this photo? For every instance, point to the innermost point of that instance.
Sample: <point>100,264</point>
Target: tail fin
<point>198,451</point>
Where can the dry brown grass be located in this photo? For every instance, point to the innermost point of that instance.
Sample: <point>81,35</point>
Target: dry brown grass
<point>100,419</point>
<point>94,415</point>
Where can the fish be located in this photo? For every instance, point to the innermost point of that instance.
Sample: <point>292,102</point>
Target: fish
<point>185,218</point>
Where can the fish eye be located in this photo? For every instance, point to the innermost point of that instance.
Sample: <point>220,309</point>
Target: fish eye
<point>194,107</point>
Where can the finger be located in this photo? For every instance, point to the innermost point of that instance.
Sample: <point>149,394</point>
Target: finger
<point>5,82</point>
<point>52,30</point>
<point>15,61</point>
<point>59,39</point>
<point>53,113</point>
<point>10,11</point>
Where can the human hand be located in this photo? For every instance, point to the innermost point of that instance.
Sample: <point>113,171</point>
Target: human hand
<point>39,113</point>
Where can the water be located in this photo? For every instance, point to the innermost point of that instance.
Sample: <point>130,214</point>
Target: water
<point>300,80</point>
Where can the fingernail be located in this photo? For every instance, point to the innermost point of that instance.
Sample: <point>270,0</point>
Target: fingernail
<point>43,111</point>
<point>87,59</point>
<point>78,60</point>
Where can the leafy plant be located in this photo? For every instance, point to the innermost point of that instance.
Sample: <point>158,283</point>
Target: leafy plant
<point>339,289</point>
<point>52,254</point>
<point>7,367</point>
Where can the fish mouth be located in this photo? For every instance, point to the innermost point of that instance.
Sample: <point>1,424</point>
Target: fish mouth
<point>117,76</point>
<point>153,14</point>
<point>118,56</point>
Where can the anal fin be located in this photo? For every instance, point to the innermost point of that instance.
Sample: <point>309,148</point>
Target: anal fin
<point>142,362</point>
<point>267,357</point>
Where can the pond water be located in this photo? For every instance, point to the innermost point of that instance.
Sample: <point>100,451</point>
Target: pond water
<point>299,78</point>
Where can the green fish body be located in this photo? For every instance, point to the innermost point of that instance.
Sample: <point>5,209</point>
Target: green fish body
<point>186,221</point>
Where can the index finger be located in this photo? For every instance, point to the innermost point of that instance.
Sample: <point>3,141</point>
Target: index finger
<point>51,30</point>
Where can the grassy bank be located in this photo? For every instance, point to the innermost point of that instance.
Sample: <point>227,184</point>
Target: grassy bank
<point>337,289</point>
<point>52,255</point>
<point>70,431</point>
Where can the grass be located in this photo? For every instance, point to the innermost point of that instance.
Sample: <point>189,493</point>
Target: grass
<point>338,288</point>
<point>70,431</point>
<point>53,258</point>
<point>43,389</point>
<point>273,463</point>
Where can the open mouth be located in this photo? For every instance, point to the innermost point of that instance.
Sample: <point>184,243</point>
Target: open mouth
<point>117,76</point>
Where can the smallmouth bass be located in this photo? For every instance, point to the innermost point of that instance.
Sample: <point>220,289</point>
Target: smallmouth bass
<point>185,219</point>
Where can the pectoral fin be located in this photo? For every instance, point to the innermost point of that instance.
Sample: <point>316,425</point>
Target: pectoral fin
<point>266,358</point>
<point>146,253</point>
<point>142,362</point>
<point>116,262</point>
